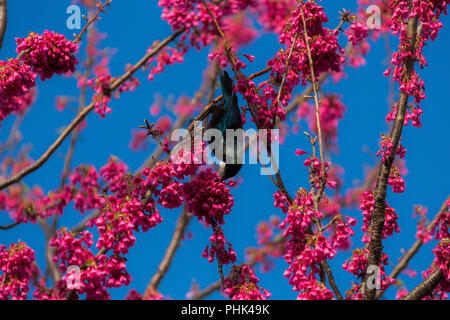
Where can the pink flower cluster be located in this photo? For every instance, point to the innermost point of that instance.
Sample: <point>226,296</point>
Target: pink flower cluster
<point>442,259</point>
<point>164,123</point>
<point>198,28</point>
<point>441,228</point>
<point>427,14</point>
<point>325,49</point>
<point>97,272</point>
<point>315,172</point>
<point>354,57</point>
<point>331,111</point>
<point>281,201</point>
<point>441,232</point>
<point>208,198</point>
<point>167,56</point>
<point>269,245</point>
<point>273,14</point>
<point>413,114</point>
<point>101,83</point>
<point>184,106</point>
<point>240,30</point>
<point>391,217</point>
<point>139,140</point>
<point>305,251</point>
<point>343,232</point>
<point>396,181</point>
<point>150,294</point>
<point>265,229</point>
<point>48,54</point>
<point>102,96</point>
<point>387,148</point>
<point>422,231</point>
<point>27,205</point>
<point>250,92</point>
<point>358,264</point>
<point>87,198</point>
<point>358,32</point>
<point>16,80</point>
<point>220,248</point>
<point>16,264</point>
<point>242,284</point>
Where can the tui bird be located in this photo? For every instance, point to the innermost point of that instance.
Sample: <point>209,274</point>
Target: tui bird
<point>227,116</point>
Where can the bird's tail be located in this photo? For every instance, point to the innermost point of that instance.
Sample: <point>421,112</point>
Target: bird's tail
<point>227,86</point>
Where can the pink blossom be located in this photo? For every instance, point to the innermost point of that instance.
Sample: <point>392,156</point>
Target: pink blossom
<point>16,265</point>
<point>48,54</point>
<point>208,198</point>
<point>358,32</point>
<point>242,284</point>
<point>16,80</point>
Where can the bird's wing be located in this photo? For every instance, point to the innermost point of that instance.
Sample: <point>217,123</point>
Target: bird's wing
<point>217,114</point>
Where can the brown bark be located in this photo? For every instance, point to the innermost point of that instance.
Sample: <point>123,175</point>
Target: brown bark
<point>379,212</point>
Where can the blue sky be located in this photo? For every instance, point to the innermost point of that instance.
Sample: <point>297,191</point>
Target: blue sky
<point>131,30</point>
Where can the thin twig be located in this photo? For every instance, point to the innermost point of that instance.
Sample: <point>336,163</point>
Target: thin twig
<point>12,225</point>
<point>100,9</point>
<point>316,100</point>
<point>286,68</point>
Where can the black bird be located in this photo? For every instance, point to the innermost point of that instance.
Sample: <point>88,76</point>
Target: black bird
<point>228,116</point>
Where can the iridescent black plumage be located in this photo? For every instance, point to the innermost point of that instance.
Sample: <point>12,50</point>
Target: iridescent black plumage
<point>227,116</point>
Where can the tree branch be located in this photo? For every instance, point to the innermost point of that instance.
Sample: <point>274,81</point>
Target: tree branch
<point>100,9</point>
<point>404,261</point>
<point>426,287</point>
<point>164,266</point>
<point>216,285</point>
<point>286,68</point>
<point>80,117</point>
<point>10,226</point>
<point>379,212</point>
<point>3,20</point>
<point>318,195</point>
